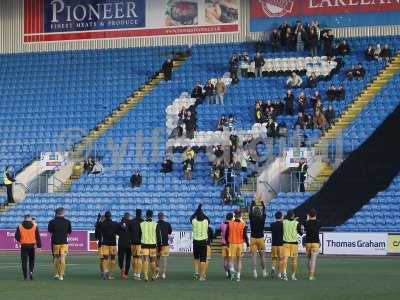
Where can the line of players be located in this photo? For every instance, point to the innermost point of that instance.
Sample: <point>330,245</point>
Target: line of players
<point>147,243</point>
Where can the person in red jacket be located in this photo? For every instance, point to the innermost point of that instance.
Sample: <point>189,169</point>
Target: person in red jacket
<point>27,234</point>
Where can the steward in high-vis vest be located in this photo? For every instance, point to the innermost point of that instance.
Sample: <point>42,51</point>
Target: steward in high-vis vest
<point>8,181</point>
<point>27,234</point>
<point>148,233</point>
<point>291,231</point>
<point>200,223</point>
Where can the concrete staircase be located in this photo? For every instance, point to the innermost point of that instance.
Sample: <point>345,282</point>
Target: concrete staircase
<point>352,111</point>
<point>117,114</point>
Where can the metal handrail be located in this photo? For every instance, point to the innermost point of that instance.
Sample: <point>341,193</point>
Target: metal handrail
<point>269,186</point>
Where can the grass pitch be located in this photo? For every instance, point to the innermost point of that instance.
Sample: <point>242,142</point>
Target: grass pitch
<point>337,278</point>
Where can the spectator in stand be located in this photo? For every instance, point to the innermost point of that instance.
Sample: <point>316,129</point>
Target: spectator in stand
<point>386,53</point>
<point>197,92</point>
<point>327,43</point>
<point>350,73</point>
<point>258,113</point>
<point>234,64</point>
<point>340,93</point>
<point>227,195</point>
<point>275,39</point>
<point>289,103</point>
<point>218,151</point>
<point>377,51</point>
<point>279,107</point>
<point>189,155</point>
<point>342,48</point>
<point>272,129</point>
<point>314,99</point>
<point>302,169</point>
<point>244,64</point>
<point>231,122</point>
<point>289,40</point>
<point>259,62</point>
<point>190,125</point>
<point>294,81</point>
<point>359,71</point>
<point>283,29</point>
<point>209,92</point>
<point>167,69</point>
<point>331,93</point>
<point>319,106</point>
<point>330,116</point>
<point>136,179</point>
<point>313,41</point>
<point>177,132</point>
<point>188,162</point>
<point>302,102</point>
<point>166,166</point>
<point>218,170</point>
<point>309,118</point>
<point>320,121</point>
<point>312,81</point>
<point>222,123</point>
<point>187,170</point>
<point>89,164</point>
<point>369,53</point>
<point>220,90</point>
<point>301,121</point>
<point>299,34</point>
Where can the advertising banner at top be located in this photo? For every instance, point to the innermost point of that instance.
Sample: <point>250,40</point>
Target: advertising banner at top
<point>58,20</point>
<point>267,14</point>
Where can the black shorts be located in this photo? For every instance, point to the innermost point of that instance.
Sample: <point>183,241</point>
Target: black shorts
<point>200,250</point>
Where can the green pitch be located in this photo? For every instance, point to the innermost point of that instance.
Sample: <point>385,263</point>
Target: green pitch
<point>337,278</point>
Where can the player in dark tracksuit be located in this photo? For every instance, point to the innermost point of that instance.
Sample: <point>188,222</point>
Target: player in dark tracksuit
<point>136,244</point>
<point>124,246</point>
<point>108,230</point>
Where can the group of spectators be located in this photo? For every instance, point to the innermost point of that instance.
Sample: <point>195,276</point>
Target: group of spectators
<point>210,93</point>
<point>92,166</point>
<point>239,65</point>
<point>378,53</point>
<point>308,36</point>
<point>356,72</point>
<point>226,122</point>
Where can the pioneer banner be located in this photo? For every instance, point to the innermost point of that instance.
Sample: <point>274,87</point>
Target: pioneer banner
<point>57,20</point>
<point>267,14</point>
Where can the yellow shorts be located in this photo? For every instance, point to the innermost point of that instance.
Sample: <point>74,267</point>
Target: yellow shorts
<point>257,245</point>
<point>60,249</point>
<point>209,252</point>
<point>290,250</point>
<point>152,252</point>
<point>276,251</point>
<point>225,251</point>
<point>164,251</point>
<point>108,250</point>
<point>136,250</point>
<point>99,251</point>
<point>312,248</point>
<point>235,250</point>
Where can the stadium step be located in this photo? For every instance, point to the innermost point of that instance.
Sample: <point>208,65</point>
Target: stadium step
<point>349,115</point>
<point>112,119</point>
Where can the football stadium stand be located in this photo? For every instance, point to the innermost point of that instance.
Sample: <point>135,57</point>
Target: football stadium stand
<point>48,100</point>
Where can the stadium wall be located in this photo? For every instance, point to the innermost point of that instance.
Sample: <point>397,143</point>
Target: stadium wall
<point>12,33</point>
